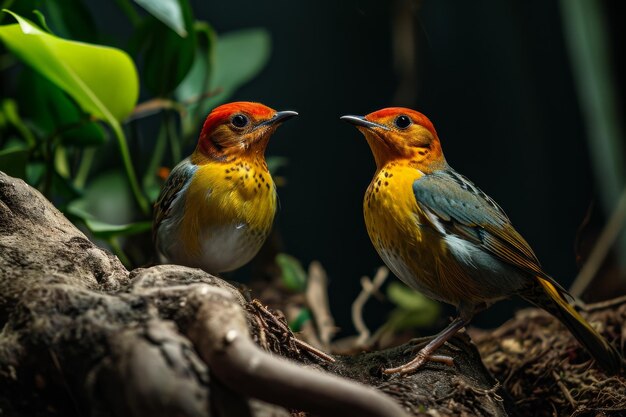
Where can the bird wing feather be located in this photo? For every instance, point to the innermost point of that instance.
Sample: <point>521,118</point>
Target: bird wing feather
<point>176,181</point>
<point>467,212</point>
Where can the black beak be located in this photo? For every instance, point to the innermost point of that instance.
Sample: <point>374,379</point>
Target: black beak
<point>278,118</point>
<point>361,121</point>
<point>281,116</point>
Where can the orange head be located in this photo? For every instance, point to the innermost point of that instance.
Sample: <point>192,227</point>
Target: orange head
<point>238,129</point>
<point>397,133</point>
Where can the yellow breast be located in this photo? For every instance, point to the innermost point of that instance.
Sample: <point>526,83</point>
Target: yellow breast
<point>239,194</point>
<point>397,227</point>
<point>391,212</point>
<point>404,238</point>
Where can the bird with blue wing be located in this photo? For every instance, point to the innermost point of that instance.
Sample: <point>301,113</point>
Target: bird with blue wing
<point>443,236</point>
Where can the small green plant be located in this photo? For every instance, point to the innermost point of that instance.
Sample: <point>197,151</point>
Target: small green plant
<point>91,120</point>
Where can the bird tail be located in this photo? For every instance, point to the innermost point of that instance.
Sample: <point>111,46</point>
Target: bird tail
<point>551,298</point>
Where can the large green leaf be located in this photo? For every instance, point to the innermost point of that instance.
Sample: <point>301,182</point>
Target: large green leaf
<point>102,80</point>
<point>168,12</point>
<point>239,57</point>
<point>167,57</point>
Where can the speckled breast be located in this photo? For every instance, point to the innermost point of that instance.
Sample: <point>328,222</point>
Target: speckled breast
<point>395,225</point>
<point>230,210</point>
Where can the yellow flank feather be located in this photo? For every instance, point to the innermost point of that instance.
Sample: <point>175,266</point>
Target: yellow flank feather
<point>237,193</point>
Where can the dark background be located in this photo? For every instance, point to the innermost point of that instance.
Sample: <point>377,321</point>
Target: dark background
<point>493,76</point>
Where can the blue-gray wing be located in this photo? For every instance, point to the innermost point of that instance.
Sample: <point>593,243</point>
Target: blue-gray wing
<point>456,206</point>
<point>176,182</point>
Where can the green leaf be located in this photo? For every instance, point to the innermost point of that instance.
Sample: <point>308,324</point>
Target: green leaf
<point>408,299</point>
<point>301,318</point>
<point>292,273</point>
<point>54,113</point>
<point>413,309</point>
<point>102,80</point>
<point>34,172</point>
<point>42,20</point>
<point>167,57</point>
<point>274,163</point>
<point>400,319</point>
<point>108,199</point>
<point>239,56</point>
<point>197,80</point>
<point>107,208</point>
<point>168,12</point>
<point>71,19</point>
<point>13,162</point>
<point>62,190</point>
<point>105,231</point>
<point>192,89</point>
<point>10,114</point>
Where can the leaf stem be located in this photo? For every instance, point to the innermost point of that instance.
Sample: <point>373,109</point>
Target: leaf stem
<point>155,161</point>
<point>128,167</point>
<point>83,169</point>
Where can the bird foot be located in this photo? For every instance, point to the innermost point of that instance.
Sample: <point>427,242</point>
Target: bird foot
<point>420,359</point>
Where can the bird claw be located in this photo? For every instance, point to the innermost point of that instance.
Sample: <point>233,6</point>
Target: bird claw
<point>420,359</point>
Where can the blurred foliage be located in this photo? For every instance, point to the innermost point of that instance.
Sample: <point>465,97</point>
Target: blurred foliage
<point>303,316</point>
<point>293,275</point>
<point>71,123</point>
<point>412,309</point>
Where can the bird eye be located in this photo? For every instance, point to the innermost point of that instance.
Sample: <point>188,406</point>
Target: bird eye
<point>239,120</point>
<point>403,121</point>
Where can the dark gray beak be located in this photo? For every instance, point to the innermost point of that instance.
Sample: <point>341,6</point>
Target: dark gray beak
<point>280,117</point>
<point>361,121</point>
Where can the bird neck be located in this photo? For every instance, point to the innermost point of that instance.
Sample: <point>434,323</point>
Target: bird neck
<point>251,157</point>
<point>426,157</point>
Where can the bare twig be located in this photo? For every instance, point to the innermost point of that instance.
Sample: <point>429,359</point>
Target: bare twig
<point>317,300</point>
<point>369,288</point>
<point>287,331</point>
<point>603,305</point>
<point>608,236</point>
<point>220,334</point>
<point>564,390</point>
<point>155,105</point>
